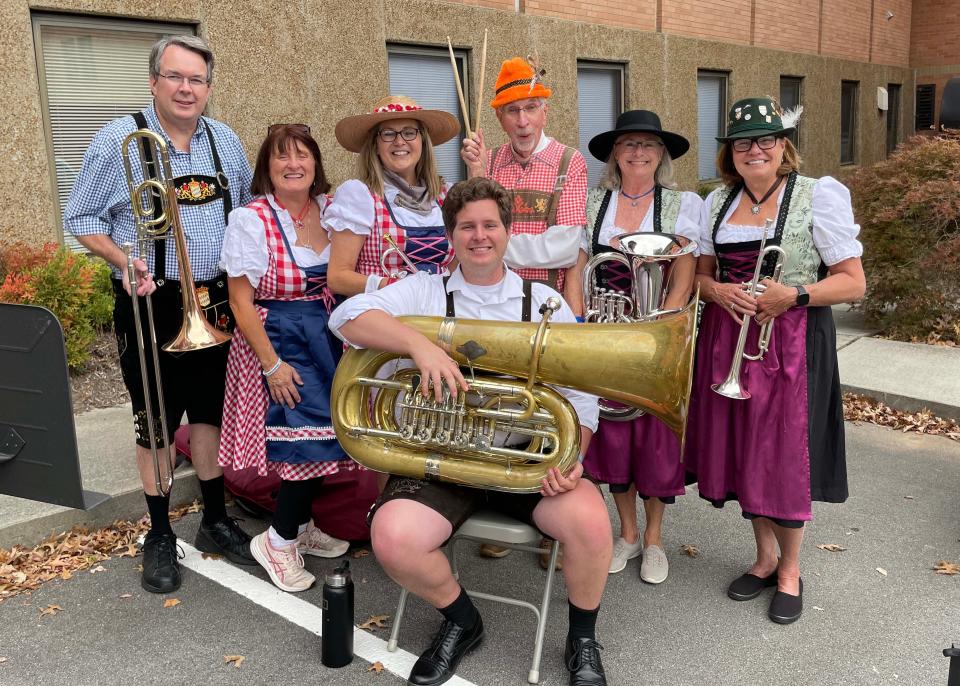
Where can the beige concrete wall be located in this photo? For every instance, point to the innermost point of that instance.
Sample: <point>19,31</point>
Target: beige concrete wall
<point>316,61</point>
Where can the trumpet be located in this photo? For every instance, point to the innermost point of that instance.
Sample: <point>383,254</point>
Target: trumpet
<point>731,387</point>
<point>391,250</point>
<point>156,215</point>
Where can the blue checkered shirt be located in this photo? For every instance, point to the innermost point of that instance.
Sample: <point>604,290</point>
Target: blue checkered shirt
<point>100,201</point>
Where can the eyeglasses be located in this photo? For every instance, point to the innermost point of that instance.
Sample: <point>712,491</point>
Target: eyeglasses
<point>192,81</point>
<point>764,143</point>
<point>389,135</point>
<point>646,146</point>
<point>529,109</point>
<point>299,128</point>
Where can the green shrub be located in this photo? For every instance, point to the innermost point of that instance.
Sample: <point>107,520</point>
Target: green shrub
<point>908,207</point>
<point>76,288</point>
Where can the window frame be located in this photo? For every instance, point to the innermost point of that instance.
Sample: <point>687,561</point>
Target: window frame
<point>724,78</point>
<point>609,66</point>
<point>854,110</point>
<point>794,136</point>
<point>930,88</point>
<point>894,110</point>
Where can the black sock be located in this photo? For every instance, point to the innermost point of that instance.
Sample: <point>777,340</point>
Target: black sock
<point>159,508</point>
<point>214,507</point>
<point>461,611</point>
<point>294,500</point>
<point>583,623</point>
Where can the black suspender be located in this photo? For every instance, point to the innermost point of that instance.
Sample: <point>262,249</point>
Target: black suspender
<point>524,305</point>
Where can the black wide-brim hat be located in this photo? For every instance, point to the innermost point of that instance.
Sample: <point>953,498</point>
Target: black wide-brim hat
<point>637,121</point>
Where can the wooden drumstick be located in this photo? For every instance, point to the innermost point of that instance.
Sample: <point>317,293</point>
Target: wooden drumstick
<point>456,80</point>
<point>483,71</point>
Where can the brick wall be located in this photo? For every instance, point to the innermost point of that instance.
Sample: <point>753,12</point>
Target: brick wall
<point>846,29</point>
<point>641,14</point>
<point>891,36</point>
<point>724,20</point>
<point>786,25</point>
<point>935,33</point>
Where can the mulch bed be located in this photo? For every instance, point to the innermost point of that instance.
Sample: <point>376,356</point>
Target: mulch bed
<point>99,384</point>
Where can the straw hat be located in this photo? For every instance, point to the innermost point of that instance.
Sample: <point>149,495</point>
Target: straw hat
<point>516,82</point>
<point>352,131</point>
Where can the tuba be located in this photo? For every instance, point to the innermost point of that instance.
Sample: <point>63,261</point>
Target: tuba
<point>649,258</point>
<point>156,216</point>
<point>388,426</point>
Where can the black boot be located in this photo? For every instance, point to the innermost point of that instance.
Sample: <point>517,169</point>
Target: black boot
<point>225,538</point>
<point>582,658</point>
<point>439,662</point>
<point>161,571</point>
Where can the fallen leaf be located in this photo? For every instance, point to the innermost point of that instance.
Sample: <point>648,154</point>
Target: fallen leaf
<point>376,622</point>
<point>362,552</point>
<point>126,595</point>
<point>99,568</point>
<point>690,549</point>
<point>376,667</point>
<point>211,556</point>
<point>908,497</point>
<point>170,602</point>
<point>882,571</point>
<point>237,660</point>
<point>131,551</point>
<point>831,547</point>
<point>815,607</point>
<point>3,659</point>
<point>66,575</point>
<point>948,568</point>
<point>50,610</point>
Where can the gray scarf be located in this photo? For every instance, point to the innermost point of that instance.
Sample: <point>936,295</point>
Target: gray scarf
<point>412,198</point>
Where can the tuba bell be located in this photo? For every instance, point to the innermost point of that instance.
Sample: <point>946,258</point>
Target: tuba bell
<point>388,426</point>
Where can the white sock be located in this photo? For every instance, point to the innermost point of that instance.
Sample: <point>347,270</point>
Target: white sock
<point>278,541</point>
<point>302,528</point>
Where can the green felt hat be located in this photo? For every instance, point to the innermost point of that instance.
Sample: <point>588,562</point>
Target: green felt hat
<point>755,117</point>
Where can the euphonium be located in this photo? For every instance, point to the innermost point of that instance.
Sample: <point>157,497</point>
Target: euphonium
<point>644,364</point>
<point>156,192</point>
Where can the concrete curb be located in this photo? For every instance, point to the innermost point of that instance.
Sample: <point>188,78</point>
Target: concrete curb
<point>905,403</point>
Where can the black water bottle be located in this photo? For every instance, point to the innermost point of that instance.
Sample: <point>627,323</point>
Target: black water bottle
<point>336,644</point>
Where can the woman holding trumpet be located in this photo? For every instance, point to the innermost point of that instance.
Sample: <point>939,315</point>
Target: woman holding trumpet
<point>388,222</point>
<point>640,456</point>
<point>769,432</point>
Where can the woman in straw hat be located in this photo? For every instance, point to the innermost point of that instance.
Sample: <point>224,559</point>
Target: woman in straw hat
<point>782,447</point>
<point>637,193</point>
<point>397,194</point>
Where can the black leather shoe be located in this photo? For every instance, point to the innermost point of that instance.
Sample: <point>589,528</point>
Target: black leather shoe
<point>439,662</point>
<point>225,538</point>
<point>786,608</point>
<point>749,586</point>
<point>582,658</point>
<point>161,571</point>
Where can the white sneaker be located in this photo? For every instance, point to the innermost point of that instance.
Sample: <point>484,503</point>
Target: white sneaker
<point>284,564</point>
<point>315,542</point>
<point>622,552</point>
<point>654,567</point>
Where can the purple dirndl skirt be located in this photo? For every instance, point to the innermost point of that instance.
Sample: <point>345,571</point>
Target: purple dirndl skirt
<point>784,447</point>
<point>642,452</point>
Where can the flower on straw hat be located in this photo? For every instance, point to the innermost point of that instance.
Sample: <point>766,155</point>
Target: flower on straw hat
<point>352,131</point>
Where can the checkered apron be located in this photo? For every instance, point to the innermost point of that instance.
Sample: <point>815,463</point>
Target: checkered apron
<point>256,432</point>
<point>427,247</point>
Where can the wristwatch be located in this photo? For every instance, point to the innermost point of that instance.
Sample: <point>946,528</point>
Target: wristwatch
<point>803,298</point>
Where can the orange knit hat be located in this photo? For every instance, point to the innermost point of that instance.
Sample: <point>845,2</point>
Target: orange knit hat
<point>516,81</point>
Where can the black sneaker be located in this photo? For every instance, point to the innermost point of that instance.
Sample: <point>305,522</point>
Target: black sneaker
<point>225,538</point>
<point>161,571</point>
<point>582,658</point>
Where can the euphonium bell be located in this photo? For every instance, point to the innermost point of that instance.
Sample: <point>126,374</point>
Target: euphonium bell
<point>645,364</point>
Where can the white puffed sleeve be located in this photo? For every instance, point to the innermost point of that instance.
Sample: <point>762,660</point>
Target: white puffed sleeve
<point>244,251</point>
<point>351,209</point>
<point>834,228</point>
<point>705,239</point>
<point>688,220</point>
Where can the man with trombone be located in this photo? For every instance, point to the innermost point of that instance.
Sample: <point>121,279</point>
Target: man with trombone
<point>161,236</point>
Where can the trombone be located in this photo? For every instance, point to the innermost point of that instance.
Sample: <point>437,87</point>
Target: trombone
<point>155,216</point>
<point>731,387</point>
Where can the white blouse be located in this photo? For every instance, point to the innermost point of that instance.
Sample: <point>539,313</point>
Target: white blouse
<point>688,220</point>
<point>352,209</point>
<point>244,251</point>
<point>834,228</point>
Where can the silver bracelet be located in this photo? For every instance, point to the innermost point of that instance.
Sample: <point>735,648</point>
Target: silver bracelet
<point>273,369</point>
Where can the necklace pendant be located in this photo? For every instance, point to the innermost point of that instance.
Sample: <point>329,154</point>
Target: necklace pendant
<point>755,209</point>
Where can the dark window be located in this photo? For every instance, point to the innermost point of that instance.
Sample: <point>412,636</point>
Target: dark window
<point>790,99</point>
<point>926,96</point>
<point>893,116</point>
<point>711,120</point>
<point>848,122</point>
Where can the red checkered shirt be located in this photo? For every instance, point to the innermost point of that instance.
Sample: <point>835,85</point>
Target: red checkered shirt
<point>540,174</point>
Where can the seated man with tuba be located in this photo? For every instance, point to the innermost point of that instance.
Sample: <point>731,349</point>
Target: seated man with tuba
<point>413,518</point>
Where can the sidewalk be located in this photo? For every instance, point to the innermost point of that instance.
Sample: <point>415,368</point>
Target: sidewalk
<point>906,376</point>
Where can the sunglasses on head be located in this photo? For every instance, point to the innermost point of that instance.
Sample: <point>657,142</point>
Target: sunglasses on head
<point>301,128</point>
